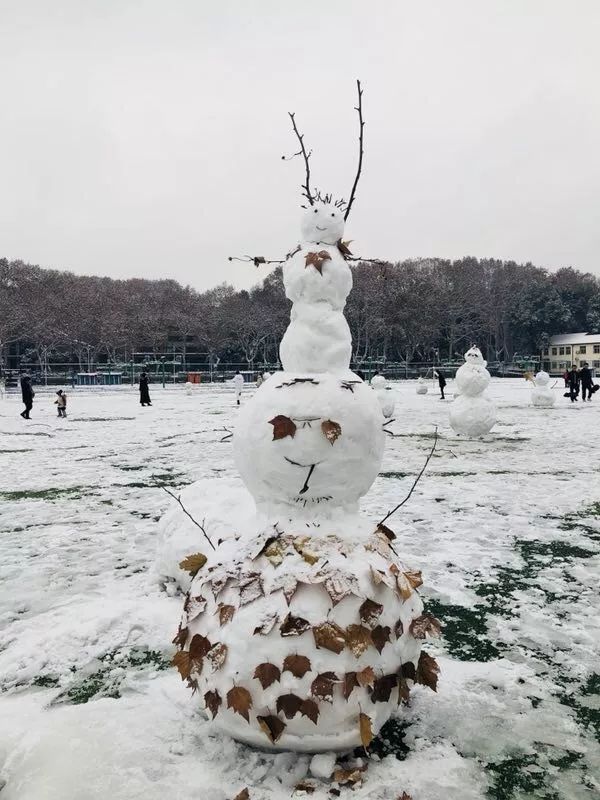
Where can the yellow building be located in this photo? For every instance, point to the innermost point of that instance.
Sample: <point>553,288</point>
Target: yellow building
<point>572,348</point>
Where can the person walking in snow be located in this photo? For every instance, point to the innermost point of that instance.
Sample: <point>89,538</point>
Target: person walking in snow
<point>585,377</point>
<point>144,391</point>
<point>238,385</point>
<point>27,394</point>
<point>441,382</point>
<point>61,403</point>
<point>259,380</point>
<point>573,383</point>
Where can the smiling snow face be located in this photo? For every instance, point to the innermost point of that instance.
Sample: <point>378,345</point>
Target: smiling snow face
<point>322,223</point>
<point>542,378</point>
<point>306,443</point>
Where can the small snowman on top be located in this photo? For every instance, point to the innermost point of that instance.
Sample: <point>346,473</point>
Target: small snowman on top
<point>542,395</point>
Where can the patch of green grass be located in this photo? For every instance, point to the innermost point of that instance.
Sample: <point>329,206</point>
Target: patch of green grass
<point>107,679</point>
<point>22,450</point>
<point>130,467</point>
<point>519,777</point>
<point>46,681</point>
<point>44,494</point>
<point>390,740</point>
<point>465,631</point>
<point>397,474</point>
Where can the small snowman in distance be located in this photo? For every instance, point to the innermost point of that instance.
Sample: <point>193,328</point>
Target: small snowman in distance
<point>385,395</point>
<point>189,388</point>
<point>542,395</point>
<point>472,414</point>
<point>421,386</point>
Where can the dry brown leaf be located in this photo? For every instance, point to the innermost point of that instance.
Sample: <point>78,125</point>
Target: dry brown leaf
<point>347,777</point>
<point>427,671</point>
<point>366,677</point>
<point>240,701</point>
<point>408,671</point>
<point>274,552</point>
<point>425,625</point>
<point>310,709</point>
<point>250,588</point>
<point>414,578</point>
<point>267,674</point>
<point>302,547</point>
<point>213,701</point>
<point>243,795</point>
<point>272,726</point>
<point>282,427</point>
<point>329,636</point>
<point>398,629</point>
<point>199,647</point>
<point>404,586</point>
<point>306,787</point>
<point>387,532</point>
<point>225,614</point>
<point>377,576</point>
<point>344,247</point>
<point>216,656</point>
<point>339,585</point>
<point>403,690</point>
<point>317,260</point>
<point>267,624</point>
<point>181,660</point>
<point>331,430</point>
<point>193,563</point>
<point>366,730</point>
<point>289,704</point>
<point>404,796</point>
<point>322,686</point>
<point>380,636</point>
<point>358,639</point>
<point>382,688</point>
<point>297,665</point>
<point>350,683</point>
<point>294,626</point>
<point>370,611</point>
<point>181,637</point>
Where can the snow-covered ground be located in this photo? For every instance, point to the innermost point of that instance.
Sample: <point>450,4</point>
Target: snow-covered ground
<point>506,532</point>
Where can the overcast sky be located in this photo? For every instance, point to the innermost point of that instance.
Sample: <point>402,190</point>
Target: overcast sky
<point>145,138</point>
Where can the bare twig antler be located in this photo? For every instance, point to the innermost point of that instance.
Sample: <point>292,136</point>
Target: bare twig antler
<point>185,511</point>
<point>360,149</point>
<point>306,186</point>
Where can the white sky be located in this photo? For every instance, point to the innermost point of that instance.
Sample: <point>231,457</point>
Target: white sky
<point>144,138</point>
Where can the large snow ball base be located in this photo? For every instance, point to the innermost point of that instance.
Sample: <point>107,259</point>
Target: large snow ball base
<point>304,642</point>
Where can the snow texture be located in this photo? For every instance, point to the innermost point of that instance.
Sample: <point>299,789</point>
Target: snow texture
<point>472,414</point>
<point>88,707</point>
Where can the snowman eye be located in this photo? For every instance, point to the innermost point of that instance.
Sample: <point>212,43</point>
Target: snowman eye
<point>316,212</point>
<point>333,215</point>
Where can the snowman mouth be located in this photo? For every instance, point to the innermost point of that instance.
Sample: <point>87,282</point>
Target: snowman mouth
<point>320,229</point>
<point>310,467</point>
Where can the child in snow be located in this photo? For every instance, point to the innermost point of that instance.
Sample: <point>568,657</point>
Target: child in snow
<point>61,403</point>
<point>28,394</point>
<point>238,385</point>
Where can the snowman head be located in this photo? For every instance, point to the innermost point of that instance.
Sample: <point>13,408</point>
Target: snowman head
<point>304,442</point>
<point>474,357</point>
<point>322,223</point>
<point>542,378</point>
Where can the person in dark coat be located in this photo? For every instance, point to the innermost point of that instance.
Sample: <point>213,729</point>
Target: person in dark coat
<point>573,383</point>
<point>441,382</point>
<point>144,391</point>
<point>28,394</point>
<point>585,376</point>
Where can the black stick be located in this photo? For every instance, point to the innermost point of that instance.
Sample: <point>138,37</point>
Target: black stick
<point>310,472</point>
<point>417,479</point>
<point>360,150</point>
<point>185,511</point>
<point>305,156</point>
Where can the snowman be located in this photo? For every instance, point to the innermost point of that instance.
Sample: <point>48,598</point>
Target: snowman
<point>542,395</point>
<point>421,386</point>
<point>189,388</point>
<point>472,414</point>
<point>385,395</point>
<point>302,629</point>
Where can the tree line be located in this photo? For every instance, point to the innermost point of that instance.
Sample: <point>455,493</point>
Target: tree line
<point>412,310</point>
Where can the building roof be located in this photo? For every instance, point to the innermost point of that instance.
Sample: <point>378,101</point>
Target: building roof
<point>575,338</point>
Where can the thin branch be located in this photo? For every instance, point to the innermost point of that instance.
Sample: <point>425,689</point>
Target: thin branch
<point>257,260</point>
<point>185,511</point>
<point>360,149</point>
<point>306,186</point>
<point>367,260</point>
<point>417,479</point>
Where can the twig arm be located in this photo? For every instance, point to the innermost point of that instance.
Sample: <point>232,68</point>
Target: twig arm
<point>185,511</point>
<point>360,149</point>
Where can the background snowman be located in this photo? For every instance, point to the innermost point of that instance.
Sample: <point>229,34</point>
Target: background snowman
<point>302,629</point>
<point>542,395</point>
<point>471,413</point>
